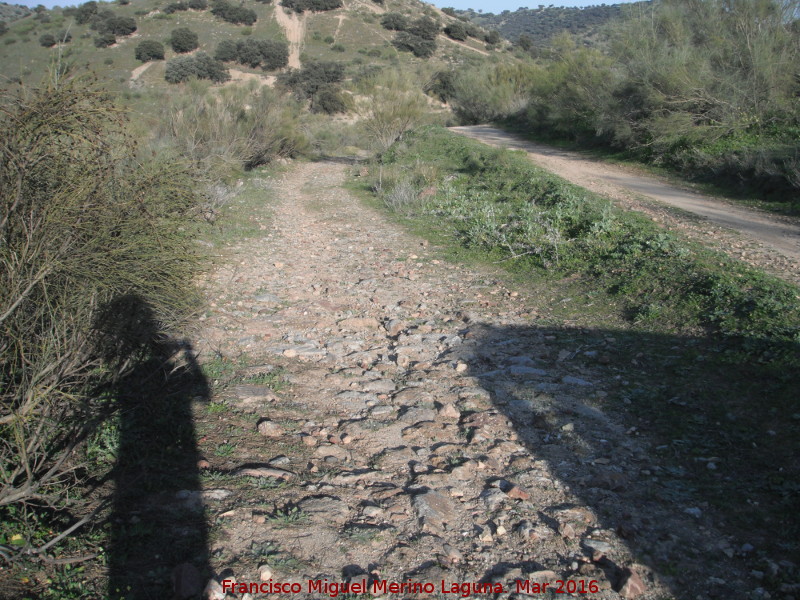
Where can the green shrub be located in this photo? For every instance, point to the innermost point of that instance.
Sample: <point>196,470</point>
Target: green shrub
<point>236,14</point>
<point>174,7</point>
<point>328,100</point>
<point>492,37</point>
<point>419,47</point>
<point>121,25</point>
<point>425,28</point>
<point>200,65</point>
<point>313,76</point>
<point>339,48</point>
<point>84,224</point>
<point>47,40</point>
<point>233,127</point>
<point>104,40</point>
<point>85,12</point>
<point>183,39</point>
<point>3,28</point>
<point>198,4</point>
<point>312,5</point>
<point>63,37</point>
<point>395,21</point>
<point>457,31</point>
<point>148,50</point>
<point>226,51</point>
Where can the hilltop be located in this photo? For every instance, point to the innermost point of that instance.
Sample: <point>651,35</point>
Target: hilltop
<point>544,22</point>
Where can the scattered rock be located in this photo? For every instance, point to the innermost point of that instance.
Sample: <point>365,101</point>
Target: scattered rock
<point>325,509</point>
<point>270,429</point>
<point>632,585</point>
<point>434,508</point>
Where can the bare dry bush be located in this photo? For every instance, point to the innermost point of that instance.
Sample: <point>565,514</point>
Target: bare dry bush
<point>82,224</point>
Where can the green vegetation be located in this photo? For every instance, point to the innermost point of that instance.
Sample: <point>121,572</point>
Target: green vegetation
<point>183,39</point>
<point>149,50</point>
<point>268,54</point>
<point>232,13</point>
<point>217,134</point>
<point>311,5</point>
<point>96,263</point>
<point>496,201</point>
<point>708,89</point>
<point>200,65</point>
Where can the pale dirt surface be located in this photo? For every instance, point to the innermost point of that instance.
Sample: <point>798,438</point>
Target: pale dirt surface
<point>463,45</point>
<point>434,427</point>
<point>767,241</point>
<point>139,71</point>
<point>294,28</point>
<point>238,76</point>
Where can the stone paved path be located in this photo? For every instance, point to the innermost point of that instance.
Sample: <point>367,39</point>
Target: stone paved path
<point>434,426</point>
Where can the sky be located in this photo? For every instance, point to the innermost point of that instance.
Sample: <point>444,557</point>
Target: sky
<point>495,6</point>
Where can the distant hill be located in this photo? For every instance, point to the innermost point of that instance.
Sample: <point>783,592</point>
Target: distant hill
<point>542,23</point>
<point>352,33</point>
<point>12,12</point>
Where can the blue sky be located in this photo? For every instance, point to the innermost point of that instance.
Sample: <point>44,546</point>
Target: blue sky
<point>494,6</point>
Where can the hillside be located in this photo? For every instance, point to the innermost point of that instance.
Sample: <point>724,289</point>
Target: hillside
<point>352,35</point>
<point>542,23</point>
<point>12,12</point>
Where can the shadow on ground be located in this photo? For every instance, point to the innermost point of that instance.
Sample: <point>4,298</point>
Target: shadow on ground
<point>687,457</point>
<point>158,533</point>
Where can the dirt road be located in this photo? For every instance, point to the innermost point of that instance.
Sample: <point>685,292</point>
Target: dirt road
<point>429,428</point>
<point>781,235</point>
<point>294,28</point>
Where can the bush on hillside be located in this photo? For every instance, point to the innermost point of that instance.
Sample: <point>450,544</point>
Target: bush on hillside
<point>312,5</point>
<point>198,4</point>
<point>492,37</point>
<point>174,7</point>
<point>63,37</point>
<point>85,12</point>
<point>312,77</point>
<point>3,27</point>
<point>232,13</point>
<point>121,25</point>
<point>227,51</point>
<point>267,54</point>
<point>73,194</point>
<point>419,47</point>
<point>183,40</point>
<point>233,127</point>
<point>47,40</point>
<point>457,31</point>
<point>395,22</point>
<point>149,50</point>
<point>104,40</point>
<point>329,100</point>
<point>425,28</point>
<point>201,66</point>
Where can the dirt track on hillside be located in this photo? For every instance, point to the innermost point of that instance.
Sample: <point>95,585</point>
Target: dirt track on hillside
<point>294,27</point>
<point>767,241</point>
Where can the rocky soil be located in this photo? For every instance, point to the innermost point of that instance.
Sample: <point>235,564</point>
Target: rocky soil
<point>400,418</point>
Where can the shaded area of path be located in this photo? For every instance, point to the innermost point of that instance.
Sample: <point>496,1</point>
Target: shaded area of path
<point>780,234</point>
